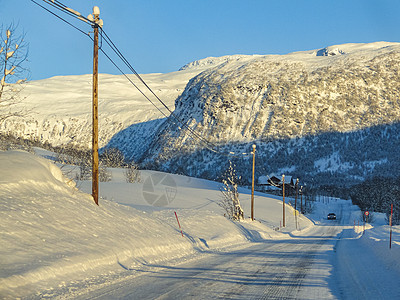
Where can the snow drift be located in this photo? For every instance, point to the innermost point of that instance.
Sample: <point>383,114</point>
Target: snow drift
<point>52,234</point>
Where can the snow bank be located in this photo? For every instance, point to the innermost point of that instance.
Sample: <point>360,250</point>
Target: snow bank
<point>52,234</point>
<point>376,237</point>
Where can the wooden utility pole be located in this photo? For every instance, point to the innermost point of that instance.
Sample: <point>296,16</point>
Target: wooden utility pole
<point>283,200</point>
<point>252,183</point>
<point>301,197</point>
<point>95,113</point>
<point>296,190</point>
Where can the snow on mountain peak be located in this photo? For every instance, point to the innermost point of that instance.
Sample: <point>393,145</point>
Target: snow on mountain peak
<point>330,52</point>
<point>351,48</point>
<point>213,61</point>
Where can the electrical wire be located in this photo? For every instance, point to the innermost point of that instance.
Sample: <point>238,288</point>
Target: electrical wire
<point>100,48</point>
<point>65,9</point>
<point>126,62</point>
<point>59,6</point>
<point>206,142</point>
<point>127,77</point>
<point>172,115</point>
<point>54,14</point>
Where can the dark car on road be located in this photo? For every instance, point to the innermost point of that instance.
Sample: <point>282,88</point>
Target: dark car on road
<point>331,216</point>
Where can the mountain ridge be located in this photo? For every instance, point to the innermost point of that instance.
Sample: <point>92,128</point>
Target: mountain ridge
<point>231,101</point>
<point>261,99</point>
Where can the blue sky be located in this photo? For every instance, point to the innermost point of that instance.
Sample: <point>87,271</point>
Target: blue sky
<point>163,35</point>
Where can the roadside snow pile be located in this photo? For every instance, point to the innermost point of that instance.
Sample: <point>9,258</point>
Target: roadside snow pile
<point>377,238</point>
<point>52,234</point>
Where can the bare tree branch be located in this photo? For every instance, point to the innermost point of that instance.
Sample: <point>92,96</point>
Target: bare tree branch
<point>13,74</point>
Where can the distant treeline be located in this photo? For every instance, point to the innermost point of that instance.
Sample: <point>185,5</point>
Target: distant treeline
<point>377,195</point>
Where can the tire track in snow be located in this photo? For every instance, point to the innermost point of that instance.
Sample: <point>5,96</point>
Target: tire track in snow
<point>289,281</point>
<point>275,269</point>
<point>283,278</point>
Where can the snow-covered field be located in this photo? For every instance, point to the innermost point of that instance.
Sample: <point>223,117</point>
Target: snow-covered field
<point>55,242</point>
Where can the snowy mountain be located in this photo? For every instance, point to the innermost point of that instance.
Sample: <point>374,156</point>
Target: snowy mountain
<point>309,113</point>
<point>331,113</point>
<point>59,108</point>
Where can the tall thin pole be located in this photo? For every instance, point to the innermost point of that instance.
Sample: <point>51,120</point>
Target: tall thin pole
<point>296,192</point>
<point>283,200</point>
<point>301,198</point>
<point>390,225</point>
<point>95,114</point>
<point>252,184</point>
<point>295,202</point>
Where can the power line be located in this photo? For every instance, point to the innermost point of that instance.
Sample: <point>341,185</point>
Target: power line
<point>62,19</point>
<point>121,56</point>
<point>108,57</point>
<point>127,77</point>
<point>113,47</point>
<point>69,11</point>
<point>59,6</point>
<point>172,115</point>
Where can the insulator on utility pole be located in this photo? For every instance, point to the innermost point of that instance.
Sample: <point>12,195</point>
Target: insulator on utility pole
<point>95,114</point>
<point>252,184</point>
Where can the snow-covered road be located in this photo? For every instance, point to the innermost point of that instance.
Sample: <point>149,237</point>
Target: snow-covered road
<point>295,268</point>
<point>329,261</point>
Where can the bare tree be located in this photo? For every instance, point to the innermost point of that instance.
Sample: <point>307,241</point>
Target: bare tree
<point>13,54</point>
<point>230,196</point>
<point>132,173</point>
<point>113,158</point>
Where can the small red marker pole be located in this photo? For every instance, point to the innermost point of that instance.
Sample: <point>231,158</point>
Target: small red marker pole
<point>390,224</point>
<point>364,228</point>
<point>178,222</point>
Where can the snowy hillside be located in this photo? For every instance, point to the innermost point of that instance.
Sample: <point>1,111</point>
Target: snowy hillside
<point>272,97</point>
<point>59,108</point>
<point>329,104</point>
